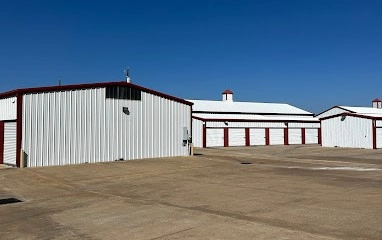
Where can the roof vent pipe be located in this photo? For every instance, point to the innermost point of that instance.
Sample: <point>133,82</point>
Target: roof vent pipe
<point>376,103</point>
<point>127,75</point>
<point>227,96</point>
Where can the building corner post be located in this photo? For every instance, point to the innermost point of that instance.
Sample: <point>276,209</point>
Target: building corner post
<point>19,126</point>
<point>374,134</point>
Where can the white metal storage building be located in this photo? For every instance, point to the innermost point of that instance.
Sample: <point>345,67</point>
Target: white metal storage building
<point>228,123</point>
<point>352,130</point>
<point>376,108</point>
<point>353,127</point>
<point>91,123</point>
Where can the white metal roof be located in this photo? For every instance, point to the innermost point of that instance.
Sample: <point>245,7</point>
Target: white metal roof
<point>253,117</point>
<point>363,110</point>
<point>246,107</point>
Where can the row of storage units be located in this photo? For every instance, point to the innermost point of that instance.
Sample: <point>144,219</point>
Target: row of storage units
<point>352,131</point>
<point>226,133</point>
<point>228,137</point>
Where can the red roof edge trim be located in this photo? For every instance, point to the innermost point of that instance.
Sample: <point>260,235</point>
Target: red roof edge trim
<point>251,120</point>
<point>198,118</point>
<point>88,86</point>
<point>377,100</point>
<point>333,108</point>
<point>352,115</point>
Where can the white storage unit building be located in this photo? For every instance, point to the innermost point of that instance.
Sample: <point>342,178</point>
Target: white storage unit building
<point>91,123</point>
<point>376,108</point>
<point>352,130</point>
<point>227,123</point>
<point>353,127</point>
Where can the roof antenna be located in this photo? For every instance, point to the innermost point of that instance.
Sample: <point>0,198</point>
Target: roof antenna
<point>127,75</point>
<point>59,82</point>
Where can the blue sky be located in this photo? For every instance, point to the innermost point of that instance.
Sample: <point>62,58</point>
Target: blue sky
<point>313,54</point>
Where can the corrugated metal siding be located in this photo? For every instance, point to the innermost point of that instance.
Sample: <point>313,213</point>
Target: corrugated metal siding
<point>257,136</point>
<point>8,109</point>
<point>215,137</point>
<point>378,123</point>
<point>379,137</point>
<point>236,137</point>
<point>311,136</point>
<point>351,132</point>
<point>276,136</point>
<point>294,136</point>
<point>246,124</point>
<point>81,126</point>
<point>9,156</point>
<point>303,125</point>
<point>331,112</point>
<point>197,133</point>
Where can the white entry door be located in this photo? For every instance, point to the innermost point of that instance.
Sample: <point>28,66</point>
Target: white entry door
<point>9,143</point>
<point>294,136</point>
<point>311,136</point>
<point>276,136</point>
<point>236,137</point>
<point>215,137</point>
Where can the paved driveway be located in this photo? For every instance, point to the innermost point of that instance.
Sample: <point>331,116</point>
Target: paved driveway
<point>272,192</point>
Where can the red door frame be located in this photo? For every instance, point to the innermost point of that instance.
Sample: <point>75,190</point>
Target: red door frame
<point>286,136</point>
<point>267,136</point>
<point>1,142</point>
<point>247,137</point>
<point>204,136</point>
<point>226,137</point>
<point>302,135</point>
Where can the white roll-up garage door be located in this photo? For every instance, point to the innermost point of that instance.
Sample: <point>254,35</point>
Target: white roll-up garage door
<point>236,137</point>
<point>379,137</point>
<point>276,136</point>
<point>311,136</point>
<point>257,136</point>
<point>294,136</point>
<point>10,143</point>
<point>215,137</point>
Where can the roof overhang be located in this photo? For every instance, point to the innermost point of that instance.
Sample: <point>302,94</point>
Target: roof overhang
<point>353,115</point>
<point>89,86</point>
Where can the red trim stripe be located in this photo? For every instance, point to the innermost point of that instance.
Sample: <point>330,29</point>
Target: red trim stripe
<point>251,120</point>
<point>204,136</point>
<point>88,86</point>
<point>226,135</point>
<point>302,135</point>
<point>374,135</point>
<point>19,126</point>
<point>267,136</point>
<point>247,137</point>
<point>286,136</point>
<point>352,115</point>
<point>1,142</point>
